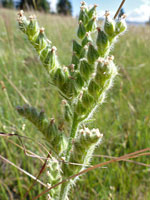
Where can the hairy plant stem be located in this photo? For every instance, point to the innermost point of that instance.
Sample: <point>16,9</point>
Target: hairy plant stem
<point>65,187</point>
<point>74,128</point>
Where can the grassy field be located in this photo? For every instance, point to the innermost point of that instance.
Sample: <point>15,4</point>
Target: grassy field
<point>124,118</point>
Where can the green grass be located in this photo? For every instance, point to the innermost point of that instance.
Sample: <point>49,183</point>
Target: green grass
<point>124,118</point>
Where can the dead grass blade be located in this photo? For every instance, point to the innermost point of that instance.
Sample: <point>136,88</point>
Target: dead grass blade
<point>16,89</point>
<point>40,172</point>
<point>22,136</point>
<point>28,152</point>
<point>22,170</point>
<point>7,189</point>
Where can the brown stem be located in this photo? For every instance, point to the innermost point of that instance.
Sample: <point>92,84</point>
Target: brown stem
<point>123,1</point>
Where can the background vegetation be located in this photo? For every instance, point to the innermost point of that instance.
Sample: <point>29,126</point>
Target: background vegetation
<point>63,7</point>
<point>124,118</point>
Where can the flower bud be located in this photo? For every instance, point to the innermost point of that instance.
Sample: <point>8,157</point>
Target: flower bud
<point>84,51</point>
<point>67,111</point>
<point>66,71</point>
<point>87,99</point>
<point>33,28</point>
<point>58,77</point>
<point>92,54</point>
<point>21,13</point>
<point>102,43</point>
<point>91,26</point>
<point>20,110</point>
<point>121,26</point>
<point>83,3</point>
<point>92,11</point>
<point>23,23</point>
<point>52,131</point>
<point>41,41</point>
<point>49,129</point>
<point>109,25</point>
<point>87,39</point>
<point>83,15</point>
<point>33,114</point>
<point>77,48</point>
<point>69,87</point>
<point>71,68</point>
<point>79,80</point>
<point>44,52</point>
<point>83,148</point>
<point>90,136</point>
<point>86,69</point>
<point>43,122</point>
<point>102,68</point>
<point>93,89</point>
<point>50,60</point>
<point>111,69</point>
<point>75,60</point>
<point>105,74</point>
<point>81,30</point>
<point>102,73</point>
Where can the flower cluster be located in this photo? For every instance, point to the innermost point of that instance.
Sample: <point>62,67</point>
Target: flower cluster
<point>83,85</point>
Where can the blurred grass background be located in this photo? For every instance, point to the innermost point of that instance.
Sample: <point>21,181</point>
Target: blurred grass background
<point>124,118</point>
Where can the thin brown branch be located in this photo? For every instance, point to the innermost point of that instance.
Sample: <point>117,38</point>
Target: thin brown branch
<point>40,172</point>
<point>123,1</point>
<point>142,154</point>
<point>126,160</point>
